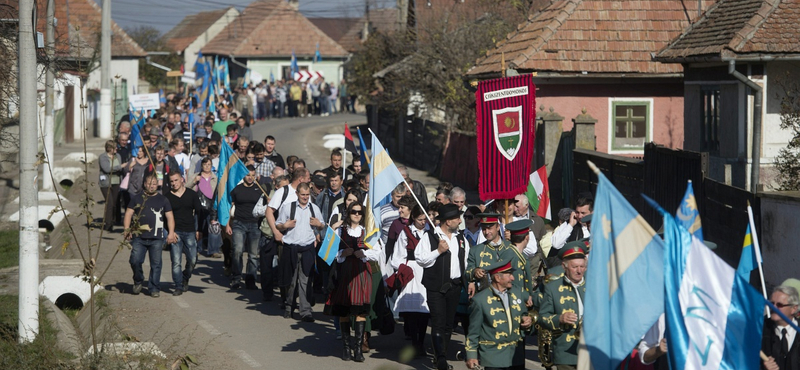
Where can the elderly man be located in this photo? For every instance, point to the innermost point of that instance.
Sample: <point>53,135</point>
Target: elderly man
<point>499,322</point>
<point>391,211</point>
<point>561,309</point>
<point>523,211</point>
<point>779,339</point>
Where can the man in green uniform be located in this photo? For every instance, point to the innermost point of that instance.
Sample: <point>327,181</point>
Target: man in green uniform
<point>498,322</point>
<point>523,269</point>
<point>484,254</point>
<point>562,308</point>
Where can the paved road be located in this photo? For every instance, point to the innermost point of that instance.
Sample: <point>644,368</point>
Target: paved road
<point>235,329</point>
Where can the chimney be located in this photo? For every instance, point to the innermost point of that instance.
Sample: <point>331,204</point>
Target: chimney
<point>294,3</point>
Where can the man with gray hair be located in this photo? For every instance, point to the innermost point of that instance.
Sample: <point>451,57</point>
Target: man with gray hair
<point>417,187</point>
<point>523,211</point>
<point>390,211</point>
<point>459,197</point>
<point>779,340</point>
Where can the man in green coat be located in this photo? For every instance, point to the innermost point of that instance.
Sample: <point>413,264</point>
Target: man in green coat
<point>487,253</point>
<point>498,322</point>
<point>562,309</point>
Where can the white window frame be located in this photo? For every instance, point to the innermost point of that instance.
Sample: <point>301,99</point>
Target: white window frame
<point>611,124</point>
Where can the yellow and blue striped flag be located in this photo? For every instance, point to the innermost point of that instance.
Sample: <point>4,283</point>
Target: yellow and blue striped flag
<point>747,262</point>
<point>330,246</point>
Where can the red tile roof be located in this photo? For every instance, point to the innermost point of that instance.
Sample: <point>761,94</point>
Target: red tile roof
<point>77,36</point>
<point>191,27</point>
<point>336,28</point>
<point>383,20</point>
<point>733,29</point>
<point>595,36</point>
<point>272,28</point>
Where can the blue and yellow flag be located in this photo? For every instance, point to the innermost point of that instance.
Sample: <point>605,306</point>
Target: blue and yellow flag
<point>136,134</point>
<point>624,279</point>
<point>384,177</point>
<point>231,172</point>
<point>747,262</point>
<point>688,215</point>
<point>330,246</point>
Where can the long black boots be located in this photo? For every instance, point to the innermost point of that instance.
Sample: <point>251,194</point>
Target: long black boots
<point>358,355</point>
<point>345,326</point>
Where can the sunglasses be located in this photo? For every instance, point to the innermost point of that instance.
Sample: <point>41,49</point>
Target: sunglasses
<point>357,212</point>
<point>780,305</point>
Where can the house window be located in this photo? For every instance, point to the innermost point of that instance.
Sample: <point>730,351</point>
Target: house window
<point>709,129</point>
<point>631,121</point>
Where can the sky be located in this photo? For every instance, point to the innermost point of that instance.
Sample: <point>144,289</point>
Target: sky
<point>165,14</point>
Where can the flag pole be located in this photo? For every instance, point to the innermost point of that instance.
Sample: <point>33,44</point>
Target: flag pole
<point>757,250</point>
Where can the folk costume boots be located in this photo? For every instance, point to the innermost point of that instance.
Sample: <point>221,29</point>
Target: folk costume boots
<point>345,326</point>
<point>358,354</point>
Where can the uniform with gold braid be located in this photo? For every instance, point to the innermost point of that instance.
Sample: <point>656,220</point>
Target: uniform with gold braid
<point>485,254</point>
<point>495,335</point>
<point>559,297</point>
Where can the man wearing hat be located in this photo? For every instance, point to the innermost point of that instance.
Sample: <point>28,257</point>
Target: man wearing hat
<point>490,251</point>
<point>499,322</point>
<point>442,254</point>
<point>525,269</point>
<point>562,308</point>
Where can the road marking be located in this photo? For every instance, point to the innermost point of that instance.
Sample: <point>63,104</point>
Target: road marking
<point>181,303</point>
<point>209,328</point>
<point>247,359</point>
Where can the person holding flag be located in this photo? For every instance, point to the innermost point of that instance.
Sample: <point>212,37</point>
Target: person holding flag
<point>352,292</point>
<point>442,253</point>
<point>244,229</point>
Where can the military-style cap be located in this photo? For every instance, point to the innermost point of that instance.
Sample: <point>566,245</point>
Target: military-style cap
<point>489,217</point>
<point>500,266</point>
<point>571,250</point>
<point>587,219</point>
<point>519,227</point>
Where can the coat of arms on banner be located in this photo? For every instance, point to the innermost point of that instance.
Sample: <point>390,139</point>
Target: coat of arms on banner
<point>508,130</point>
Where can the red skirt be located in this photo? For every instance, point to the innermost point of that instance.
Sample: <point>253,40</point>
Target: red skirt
<point>351,295</point>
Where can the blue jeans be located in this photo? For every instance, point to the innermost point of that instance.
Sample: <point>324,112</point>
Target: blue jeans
<point>245,236</point>
<point>186,244</point>
<point>152,247</point>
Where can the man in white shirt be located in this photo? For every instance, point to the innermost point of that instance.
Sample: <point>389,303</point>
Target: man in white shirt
<point>442,254</point>
<point>300,224</point>
<point>779,340</point>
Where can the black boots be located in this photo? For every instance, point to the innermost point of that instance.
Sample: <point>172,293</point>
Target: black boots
<point>440,351</point>
<point>358,355</point>
<point>345,326</point>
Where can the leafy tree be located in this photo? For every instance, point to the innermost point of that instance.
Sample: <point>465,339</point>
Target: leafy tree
<point>427,65</point>
<point>787,162</point>
<point>151,39</point>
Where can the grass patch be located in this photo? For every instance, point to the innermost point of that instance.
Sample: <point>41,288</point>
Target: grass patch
<point>42,353</point>
<point>9,248</point>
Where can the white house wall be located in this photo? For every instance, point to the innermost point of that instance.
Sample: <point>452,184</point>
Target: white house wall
<point>127,69</point>
<point>331,69</point>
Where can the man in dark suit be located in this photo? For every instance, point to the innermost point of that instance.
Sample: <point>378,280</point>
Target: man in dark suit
<point>779,339</point>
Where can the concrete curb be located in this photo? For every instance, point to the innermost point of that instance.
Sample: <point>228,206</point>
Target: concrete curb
<point>67,338</point>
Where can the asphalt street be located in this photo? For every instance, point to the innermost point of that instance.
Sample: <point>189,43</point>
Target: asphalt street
<point>227,329</point>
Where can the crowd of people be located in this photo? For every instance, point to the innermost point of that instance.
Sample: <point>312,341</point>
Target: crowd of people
<point>497,269</point>
<point>290,98</point>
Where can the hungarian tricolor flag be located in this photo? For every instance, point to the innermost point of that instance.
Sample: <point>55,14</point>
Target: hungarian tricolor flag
<point>505,115</point>
<point>539,193</point>
<point>349,144</point>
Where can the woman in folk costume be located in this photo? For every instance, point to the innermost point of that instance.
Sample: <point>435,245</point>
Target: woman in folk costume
<point>412,302</point>
<point>352,293</point>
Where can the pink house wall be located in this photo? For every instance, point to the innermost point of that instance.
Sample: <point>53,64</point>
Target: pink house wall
<point>569,99</point>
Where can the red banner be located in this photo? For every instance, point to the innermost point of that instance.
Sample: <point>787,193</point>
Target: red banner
<point>505,115</point>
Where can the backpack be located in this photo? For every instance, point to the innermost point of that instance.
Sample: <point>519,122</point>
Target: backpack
<point>294,209</point>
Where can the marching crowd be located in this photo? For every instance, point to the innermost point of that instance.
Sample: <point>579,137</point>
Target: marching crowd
<point>498,270</point>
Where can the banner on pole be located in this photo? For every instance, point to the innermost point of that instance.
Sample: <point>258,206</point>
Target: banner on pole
<point>505,128</point>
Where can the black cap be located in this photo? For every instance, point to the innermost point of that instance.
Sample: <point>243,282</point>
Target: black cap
<point>448,212</point>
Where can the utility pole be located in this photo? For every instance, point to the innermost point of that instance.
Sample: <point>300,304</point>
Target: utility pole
<point>104,130</point>
<point>49,132</point>
<point>28,171</point>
